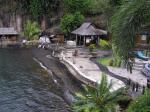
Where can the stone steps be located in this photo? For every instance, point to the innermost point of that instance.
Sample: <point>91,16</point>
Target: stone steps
<point>138,66</point>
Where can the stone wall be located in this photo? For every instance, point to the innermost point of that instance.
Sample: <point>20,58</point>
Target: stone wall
<point>77,74</point>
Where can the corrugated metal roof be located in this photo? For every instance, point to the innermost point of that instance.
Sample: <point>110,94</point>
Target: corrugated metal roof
<point>88,29</point>
<point>8,31</point>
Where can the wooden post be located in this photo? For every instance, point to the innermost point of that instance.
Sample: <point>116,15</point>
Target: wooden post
<point>98,40</point>
<point>80,41</point>
<point>76,39</point>
<point>90,39</point>
<point>133,87</point>
<point>143,90</point>
<point>137,87</point>
<point>84,41</point>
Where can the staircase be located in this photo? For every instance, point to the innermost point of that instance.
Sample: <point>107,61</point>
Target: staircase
<point>138,66</point>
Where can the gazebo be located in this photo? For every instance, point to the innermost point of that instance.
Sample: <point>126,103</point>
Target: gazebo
<point>88,32</point>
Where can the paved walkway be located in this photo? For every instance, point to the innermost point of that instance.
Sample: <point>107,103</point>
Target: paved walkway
<point>136,76</point>
<point>89,69</point>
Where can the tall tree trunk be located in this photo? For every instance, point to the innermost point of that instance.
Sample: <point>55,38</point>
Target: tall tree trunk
<point>43,23</point>
<point>13,21</point>
<point>1,23</point>
<point>1,19</point>
<point>19,23</point>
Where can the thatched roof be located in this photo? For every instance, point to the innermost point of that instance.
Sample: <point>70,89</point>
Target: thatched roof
<point>87,29</point>
<point>54,31</point>
<point>8,31</point>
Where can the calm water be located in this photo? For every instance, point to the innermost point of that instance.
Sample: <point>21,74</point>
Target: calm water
<point>25,86</point>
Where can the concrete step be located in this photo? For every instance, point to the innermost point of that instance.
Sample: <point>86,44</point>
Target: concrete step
<point>139,66</point>
<point>139,63</point>
<point>138,69</point>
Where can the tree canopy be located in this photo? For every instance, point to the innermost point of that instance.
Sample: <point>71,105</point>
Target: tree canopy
<point>99,6</point>
<point>34,7</point>
<point>126,23</point>
<point>71,21</point>
<point>39,8</point>
<point>73,6</point>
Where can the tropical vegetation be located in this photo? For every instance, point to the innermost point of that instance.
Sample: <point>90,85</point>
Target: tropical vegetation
<point>38,8</point>
<point>75,11</point>
<point>70,22</point>
<point>131,18</point>
<point>99,99</point>
<point>73,6</point>
<point>107,61</point>
<point>104,45</point>
<point>92,47</point>
<point>141,104</point>
<point>32,30</point>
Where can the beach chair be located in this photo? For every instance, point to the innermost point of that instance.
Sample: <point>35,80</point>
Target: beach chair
<point>146,70</point>
<point>140,55</point>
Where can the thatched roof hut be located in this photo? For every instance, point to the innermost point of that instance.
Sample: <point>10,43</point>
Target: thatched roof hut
<point>87,30</point>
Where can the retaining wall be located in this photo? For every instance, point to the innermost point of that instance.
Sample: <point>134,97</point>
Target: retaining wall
<point>78,74</point>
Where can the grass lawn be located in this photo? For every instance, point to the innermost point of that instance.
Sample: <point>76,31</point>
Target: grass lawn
<point>105,61</point>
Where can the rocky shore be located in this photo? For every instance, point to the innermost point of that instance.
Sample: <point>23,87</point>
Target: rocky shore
<point>60,74</point>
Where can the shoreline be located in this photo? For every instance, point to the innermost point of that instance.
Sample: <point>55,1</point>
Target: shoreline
<point>41,64</point>
<point>45,63</point>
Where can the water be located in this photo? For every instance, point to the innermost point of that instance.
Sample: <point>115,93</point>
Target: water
<point>25,86</point>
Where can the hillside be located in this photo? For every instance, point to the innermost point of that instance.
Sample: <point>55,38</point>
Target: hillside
<point>15,13</point>
<point>48,13</point>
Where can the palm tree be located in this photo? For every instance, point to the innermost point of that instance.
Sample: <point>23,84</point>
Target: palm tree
<point>128,20</point>
<point>98,99</point>
<point>141,104</point>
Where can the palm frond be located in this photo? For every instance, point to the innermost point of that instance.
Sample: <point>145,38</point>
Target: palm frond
<point>126,22</point>
<point>98,99</point>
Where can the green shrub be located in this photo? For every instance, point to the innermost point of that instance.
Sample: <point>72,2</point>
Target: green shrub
<point>117,62</point>
<point>107,61</point>
<point>92,47</point>
<point>32,30</point>
<point>104,44</point>
<point>124,101</point>
<point>111,62</point>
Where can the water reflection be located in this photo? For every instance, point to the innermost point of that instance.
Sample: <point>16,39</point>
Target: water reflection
<point>25,86</point>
